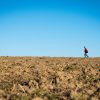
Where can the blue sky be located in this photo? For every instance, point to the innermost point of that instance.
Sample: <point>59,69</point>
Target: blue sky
<point>49,27</point>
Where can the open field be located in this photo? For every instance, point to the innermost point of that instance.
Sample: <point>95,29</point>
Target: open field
<point>45,78</point>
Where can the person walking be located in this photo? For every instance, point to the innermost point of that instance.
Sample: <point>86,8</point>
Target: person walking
<point>85,52</point>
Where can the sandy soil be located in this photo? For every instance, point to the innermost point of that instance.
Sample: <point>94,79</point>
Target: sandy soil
<point>45,78</point>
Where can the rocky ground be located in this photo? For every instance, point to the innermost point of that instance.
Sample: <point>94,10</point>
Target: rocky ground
<point>45,78</point>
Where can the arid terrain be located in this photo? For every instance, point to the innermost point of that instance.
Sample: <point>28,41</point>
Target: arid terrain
<point>46,78</point>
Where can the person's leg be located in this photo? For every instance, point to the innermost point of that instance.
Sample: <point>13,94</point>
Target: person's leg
<point>85,55</point>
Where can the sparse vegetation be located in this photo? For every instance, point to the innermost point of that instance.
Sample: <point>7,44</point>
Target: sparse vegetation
<point>44,78</point>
